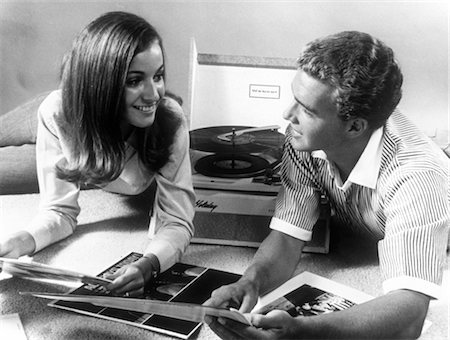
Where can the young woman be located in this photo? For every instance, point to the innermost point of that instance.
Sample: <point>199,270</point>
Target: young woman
<point>112,125</point>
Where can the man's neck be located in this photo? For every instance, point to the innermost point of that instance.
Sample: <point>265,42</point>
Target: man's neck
<point>347,155</point>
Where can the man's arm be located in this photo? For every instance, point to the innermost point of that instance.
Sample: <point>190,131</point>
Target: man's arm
<point>275,261</point>
<point>273,264</point>
<point>397,315</point>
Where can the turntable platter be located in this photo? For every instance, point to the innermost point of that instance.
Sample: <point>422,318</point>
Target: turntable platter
<point>231,165</point>
<point>208,140</point>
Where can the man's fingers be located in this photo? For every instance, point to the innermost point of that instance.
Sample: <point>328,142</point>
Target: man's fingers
<point>222,330</point>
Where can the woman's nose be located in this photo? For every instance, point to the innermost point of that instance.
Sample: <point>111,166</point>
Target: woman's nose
<point>150,92</point>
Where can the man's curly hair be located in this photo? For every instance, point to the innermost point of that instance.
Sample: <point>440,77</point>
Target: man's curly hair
<point>362,70</point>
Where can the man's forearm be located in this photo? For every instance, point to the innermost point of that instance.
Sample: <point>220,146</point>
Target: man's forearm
<point>274,262</point>
<point>398,315</point>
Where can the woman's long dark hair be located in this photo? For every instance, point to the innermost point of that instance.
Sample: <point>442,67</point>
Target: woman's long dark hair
<point>93,104</point>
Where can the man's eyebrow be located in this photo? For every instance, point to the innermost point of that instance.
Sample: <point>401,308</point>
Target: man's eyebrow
<point>302,104</point>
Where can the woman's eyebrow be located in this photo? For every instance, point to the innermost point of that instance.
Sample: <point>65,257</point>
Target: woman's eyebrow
<point>161,69</point>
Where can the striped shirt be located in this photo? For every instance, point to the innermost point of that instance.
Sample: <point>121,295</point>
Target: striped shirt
<point>398,192</point>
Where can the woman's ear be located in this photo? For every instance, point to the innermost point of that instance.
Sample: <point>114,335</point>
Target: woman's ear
<point>357,126</point>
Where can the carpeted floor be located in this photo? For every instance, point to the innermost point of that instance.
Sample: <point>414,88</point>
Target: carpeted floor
<point>111,226</point>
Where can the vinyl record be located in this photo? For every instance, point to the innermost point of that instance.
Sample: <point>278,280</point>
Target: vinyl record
<point>210,140</point>
<point>231,165</point>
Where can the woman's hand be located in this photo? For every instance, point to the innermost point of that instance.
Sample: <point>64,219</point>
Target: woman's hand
<point>131,279</point>
<point>128,280</point>
<point>17,245</point>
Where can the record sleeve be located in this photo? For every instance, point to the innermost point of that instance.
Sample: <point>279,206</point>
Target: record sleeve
<point>39,271</point>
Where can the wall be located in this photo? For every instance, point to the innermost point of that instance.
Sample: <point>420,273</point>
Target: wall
<point>35,34</point>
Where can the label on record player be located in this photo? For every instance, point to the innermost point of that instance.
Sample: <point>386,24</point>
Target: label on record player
<point>212,201</point>
<point>264,91</point>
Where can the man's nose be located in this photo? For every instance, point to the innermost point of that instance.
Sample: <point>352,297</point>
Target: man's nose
<point>288,113</point>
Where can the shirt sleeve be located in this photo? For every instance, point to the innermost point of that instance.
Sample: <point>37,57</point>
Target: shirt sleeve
<point>58,208</point>
<point>413,251</point>
<point>297,206</point>
<point>171,226</point>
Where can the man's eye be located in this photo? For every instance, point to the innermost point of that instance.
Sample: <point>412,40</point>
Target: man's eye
<point>306,111</point>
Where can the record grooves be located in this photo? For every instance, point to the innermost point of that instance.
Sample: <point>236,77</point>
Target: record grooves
<point>231,166</point>
<point>233,150</point>
<point>207,139</point>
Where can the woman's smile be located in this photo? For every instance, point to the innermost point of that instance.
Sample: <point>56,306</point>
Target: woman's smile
<point>146,108</point>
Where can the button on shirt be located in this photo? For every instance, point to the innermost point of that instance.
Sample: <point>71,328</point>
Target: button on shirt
<point>398,192</point>
<point>173,209</point>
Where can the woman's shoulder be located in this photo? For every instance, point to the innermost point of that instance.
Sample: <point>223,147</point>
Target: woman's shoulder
<point>173,105</point>
<point>50,110</point>
<point>52,104</point>
<point>178,117</point>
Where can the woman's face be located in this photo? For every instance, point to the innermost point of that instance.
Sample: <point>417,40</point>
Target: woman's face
<point>144,86</point>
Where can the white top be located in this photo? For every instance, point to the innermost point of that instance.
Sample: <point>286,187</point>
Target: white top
<point>398,192</point>
<point>173,209</point>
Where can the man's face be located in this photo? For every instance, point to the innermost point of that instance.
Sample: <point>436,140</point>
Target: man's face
<point>313,115</point>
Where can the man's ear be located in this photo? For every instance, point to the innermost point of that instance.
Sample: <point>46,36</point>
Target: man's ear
<point>357,126</point>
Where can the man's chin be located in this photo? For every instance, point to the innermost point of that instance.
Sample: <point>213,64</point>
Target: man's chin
<point>298,145</point>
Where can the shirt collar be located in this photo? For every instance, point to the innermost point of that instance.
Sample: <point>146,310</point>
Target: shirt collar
<point>365,172</point>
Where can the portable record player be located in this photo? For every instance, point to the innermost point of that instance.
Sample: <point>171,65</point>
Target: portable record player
<point>235,108</point>
<point>237,158</point>
<point>236,142</point>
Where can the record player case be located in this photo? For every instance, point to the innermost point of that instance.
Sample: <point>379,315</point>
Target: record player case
<point>227,90</point>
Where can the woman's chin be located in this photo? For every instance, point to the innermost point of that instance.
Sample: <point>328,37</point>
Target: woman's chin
<point>144,123</point>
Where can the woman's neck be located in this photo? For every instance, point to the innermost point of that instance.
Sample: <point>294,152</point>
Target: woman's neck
<point>126,129</point>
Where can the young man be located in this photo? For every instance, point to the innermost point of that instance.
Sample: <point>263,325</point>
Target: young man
<point>381,175</point>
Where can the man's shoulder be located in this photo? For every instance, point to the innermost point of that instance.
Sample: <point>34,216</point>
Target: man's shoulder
<point>407,143</point>
<point>408,153</point>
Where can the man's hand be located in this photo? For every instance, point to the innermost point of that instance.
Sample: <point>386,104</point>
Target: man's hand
<point>242,294</point>
<point>17,245</point>
<point>275,325</point>
<point>397,315</point>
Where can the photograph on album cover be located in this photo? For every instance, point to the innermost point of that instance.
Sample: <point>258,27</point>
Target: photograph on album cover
<point>307,300</point>
<point>305,294</point>
<point>181,283</point>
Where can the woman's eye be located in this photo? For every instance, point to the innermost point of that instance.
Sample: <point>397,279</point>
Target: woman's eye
<point>158,77</point>
<point>133,82</point>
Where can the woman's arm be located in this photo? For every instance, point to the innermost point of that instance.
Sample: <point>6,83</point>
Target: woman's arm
<point>58,209</point>
<point>171,225</point>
